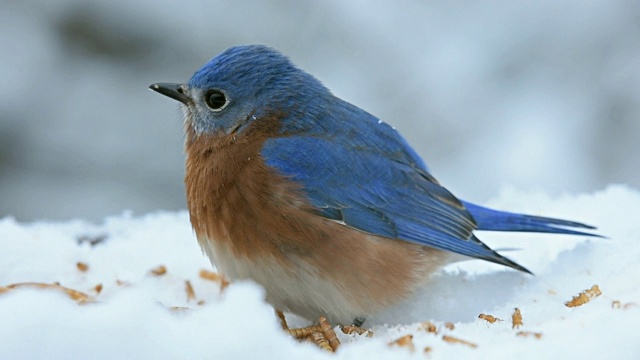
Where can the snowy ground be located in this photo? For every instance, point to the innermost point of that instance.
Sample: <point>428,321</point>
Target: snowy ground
<point>141,315</point>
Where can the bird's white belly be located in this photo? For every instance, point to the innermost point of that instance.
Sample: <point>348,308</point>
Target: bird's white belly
<point>296,287</point>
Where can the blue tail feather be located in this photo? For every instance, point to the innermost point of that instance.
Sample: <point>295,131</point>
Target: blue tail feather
<point>495,220</point>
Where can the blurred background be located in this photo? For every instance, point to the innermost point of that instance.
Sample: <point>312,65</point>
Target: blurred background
<point>536,96</point>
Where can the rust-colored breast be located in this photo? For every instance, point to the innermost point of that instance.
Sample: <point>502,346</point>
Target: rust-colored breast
<point>234,197</point>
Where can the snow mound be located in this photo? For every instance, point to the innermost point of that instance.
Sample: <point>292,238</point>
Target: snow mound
<point>133,287</point>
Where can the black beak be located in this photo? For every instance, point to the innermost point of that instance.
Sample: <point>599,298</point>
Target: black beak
<point>174,91</point>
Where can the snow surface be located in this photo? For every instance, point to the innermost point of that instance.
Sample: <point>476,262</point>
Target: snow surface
<point>139,315</point>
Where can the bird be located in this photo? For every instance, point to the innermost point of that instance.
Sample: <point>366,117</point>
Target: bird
<point>324,205</point>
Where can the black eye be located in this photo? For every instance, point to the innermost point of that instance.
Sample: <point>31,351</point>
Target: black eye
<point>216,100</point>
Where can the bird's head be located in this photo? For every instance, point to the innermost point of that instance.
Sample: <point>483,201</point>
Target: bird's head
<point>242,85</point>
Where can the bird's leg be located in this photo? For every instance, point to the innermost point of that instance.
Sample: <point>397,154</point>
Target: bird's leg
<point>358,321</point>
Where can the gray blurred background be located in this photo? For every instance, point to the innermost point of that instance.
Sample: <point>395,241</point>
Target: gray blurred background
<point>533,95</point>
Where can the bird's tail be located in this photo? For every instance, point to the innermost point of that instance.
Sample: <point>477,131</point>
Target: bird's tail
<point>494,220</point>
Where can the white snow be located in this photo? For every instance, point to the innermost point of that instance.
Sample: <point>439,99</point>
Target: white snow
<point>134,315</point>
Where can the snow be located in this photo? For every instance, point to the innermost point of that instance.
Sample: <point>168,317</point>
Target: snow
<point>143,316</point>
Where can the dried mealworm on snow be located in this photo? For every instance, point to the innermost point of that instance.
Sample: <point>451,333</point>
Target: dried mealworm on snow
<point>329,334</point>
<point>455,340</point>
<point>159,271</point>
<point>321,341</point>
<point>488,318</point>
<point>189,289</point>
<point>83,267</point>
<point>404,341</point>
<point>302,333</point>
<point>214,276</point>
<point>76,295</point>
<point>428,327</point>
<point>516,319</point>
<point>584,297</point>
<point>537,335</point>
<point>283,321</point>
<point>209,275</point>
<point>352,329</point>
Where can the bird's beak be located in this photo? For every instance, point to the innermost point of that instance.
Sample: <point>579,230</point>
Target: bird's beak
<point>174,91</point>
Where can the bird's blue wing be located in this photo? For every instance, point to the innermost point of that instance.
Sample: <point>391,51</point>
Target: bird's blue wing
<point>379,186</point>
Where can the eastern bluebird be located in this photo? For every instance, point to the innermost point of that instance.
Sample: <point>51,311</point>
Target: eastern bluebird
<point>324,205</point>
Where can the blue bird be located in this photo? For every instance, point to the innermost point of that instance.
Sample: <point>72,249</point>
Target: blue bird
<point>324,205</point>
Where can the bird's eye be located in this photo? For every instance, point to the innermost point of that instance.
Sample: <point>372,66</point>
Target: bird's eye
<point>216,100</point>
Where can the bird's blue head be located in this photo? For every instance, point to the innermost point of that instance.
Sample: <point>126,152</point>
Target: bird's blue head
<point>241,85</point>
